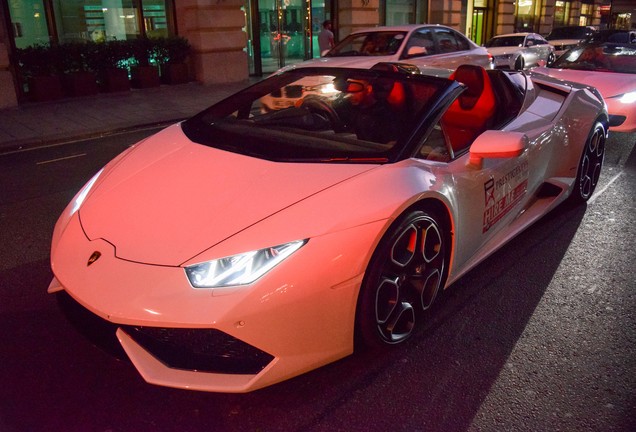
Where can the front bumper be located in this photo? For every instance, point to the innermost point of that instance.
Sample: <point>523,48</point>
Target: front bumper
<point>228,340</point>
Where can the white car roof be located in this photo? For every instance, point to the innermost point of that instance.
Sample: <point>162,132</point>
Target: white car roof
<point>405,27</point>
<point>513,34</point>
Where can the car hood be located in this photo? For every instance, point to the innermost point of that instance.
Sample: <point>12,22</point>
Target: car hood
<point>608,83</point>
<point>169,198</point>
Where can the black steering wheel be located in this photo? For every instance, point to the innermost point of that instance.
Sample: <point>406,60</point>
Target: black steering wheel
<point>318,106</point>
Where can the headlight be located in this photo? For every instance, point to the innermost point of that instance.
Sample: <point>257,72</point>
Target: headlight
<point>241,269</point>
<point>627,98</point>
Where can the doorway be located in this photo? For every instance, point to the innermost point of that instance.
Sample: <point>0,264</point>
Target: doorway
<point>282,32</point>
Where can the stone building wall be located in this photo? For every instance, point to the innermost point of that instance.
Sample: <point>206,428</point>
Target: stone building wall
<point>215,31</point>
<point>8,96</point>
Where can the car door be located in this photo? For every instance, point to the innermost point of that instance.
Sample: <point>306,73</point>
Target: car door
<point>451,49</point>
<point>486,199</point>
<point>532,51</point>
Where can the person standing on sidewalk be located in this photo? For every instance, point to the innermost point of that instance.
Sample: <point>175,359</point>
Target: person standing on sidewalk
<point>325,38</point>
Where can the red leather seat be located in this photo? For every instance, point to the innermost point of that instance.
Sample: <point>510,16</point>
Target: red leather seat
<point>472,112</point>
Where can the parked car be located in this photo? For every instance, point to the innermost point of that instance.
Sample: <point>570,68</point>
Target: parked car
<point>434,49</point>
<point>564,38</point>
<point>610,68</point>
<point>613,35</point>
<point>520,51</point>
<point>240,248</point>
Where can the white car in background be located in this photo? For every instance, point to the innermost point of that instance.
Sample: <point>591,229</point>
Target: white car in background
<point>433,48</point>
<point>564,38</point>
<point>520,51</point>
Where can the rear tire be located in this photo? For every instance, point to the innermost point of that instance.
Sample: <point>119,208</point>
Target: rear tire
<point>519,63</point>
<point>590,165</point>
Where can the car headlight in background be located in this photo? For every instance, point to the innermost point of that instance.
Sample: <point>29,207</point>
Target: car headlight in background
<point>627,98</point>
<point>241,269</point>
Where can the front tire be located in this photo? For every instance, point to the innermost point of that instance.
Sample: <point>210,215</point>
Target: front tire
<point>403,278</point>
<point>519,63</point>
<point>590,165</point>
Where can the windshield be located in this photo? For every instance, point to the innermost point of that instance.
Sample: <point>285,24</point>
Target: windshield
<point>569,33</point>
<point>599,57</point>
<point>511,41</point>
<point>369,44</point>
<point>321,115</point>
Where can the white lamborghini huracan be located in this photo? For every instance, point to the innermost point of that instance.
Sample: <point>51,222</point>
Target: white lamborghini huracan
<point>245,246</point>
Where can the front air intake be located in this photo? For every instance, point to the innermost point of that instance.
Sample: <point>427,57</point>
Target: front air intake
<point>202,350</point>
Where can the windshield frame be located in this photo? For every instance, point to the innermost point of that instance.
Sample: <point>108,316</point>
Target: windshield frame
<point>228,126</point>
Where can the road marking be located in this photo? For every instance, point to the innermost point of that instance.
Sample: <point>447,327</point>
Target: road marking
<point>60,159</point>
<point>600,192</point>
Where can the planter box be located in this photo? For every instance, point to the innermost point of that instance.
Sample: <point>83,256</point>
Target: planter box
<point>114,80</point>
<point>175,73</point>
<point>80,84</point>
<point>145,76</point>
<point>45,88</point>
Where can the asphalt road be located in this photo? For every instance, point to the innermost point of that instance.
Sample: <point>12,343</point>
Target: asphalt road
<point>539,337</point>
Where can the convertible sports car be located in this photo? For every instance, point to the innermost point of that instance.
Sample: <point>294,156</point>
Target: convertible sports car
<point>243,246</point>
<point>611,69</point>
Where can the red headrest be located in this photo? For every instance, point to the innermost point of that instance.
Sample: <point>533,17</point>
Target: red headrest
<point>475,79</point>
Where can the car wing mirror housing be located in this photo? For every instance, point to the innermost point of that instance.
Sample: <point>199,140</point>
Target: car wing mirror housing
<point>416,51</point>
<point>496,144</point>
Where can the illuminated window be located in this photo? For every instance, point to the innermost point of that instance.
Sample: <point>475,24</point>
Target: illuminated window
<point>527,15</point>
<point>561,13</point>
<point>86,20</point>
<point>587,12</point>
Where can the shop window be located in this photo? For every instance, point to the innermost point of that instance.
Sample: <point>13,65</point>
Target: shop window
<point>29,24</point>
<point>400,12</point>
<point>86,20</point>
<point>561,13</point>
<point>586,14</point>
<point>155,18</point>
<point>527,15</point>
<point>96,20</point>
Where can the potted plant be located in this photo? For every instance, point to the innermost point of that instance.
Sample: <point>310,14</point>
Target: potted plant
<point>111,63</point>
<point>39,69</point>
<point>172,53</point>
<point>143,73</point>
<point>79,78</point>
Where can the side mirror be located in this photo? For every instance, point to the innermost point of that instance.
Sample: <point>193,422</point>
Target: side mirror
<point>496,144</point>
<point>416,51</point>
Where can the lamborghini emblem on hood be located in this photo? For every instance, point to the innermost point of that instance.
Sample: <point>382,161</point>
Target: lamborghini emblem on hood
<point>94,257</point>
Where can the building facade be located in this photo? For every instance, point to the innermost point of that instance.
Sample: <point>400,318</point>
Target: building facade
<point>233,39</point>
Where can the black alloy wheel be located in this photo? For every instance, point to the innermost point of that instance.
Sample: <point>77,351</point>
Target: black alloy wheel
<point>590,165</point>
<point>404,276</point>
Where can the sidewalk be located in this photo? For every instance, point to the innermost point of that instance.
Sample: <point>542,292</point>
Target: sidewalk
<point>35,124</point>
